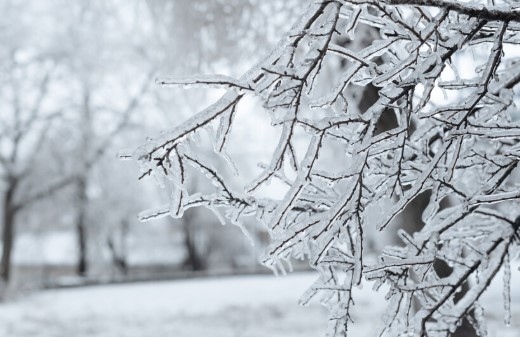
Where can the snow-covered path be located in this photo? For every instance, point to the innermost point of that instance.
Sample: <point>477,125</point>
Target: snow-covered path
<point>252,306</point>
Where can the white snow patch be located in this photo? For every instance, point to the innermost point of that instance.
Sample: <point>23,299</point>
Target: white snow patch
<point>251,306</point>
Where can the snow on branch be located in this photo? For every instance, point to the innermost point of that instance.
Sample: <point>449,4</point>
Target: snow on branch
<point>203,81</point>
<point>447,73</point>
<point>509,12</point>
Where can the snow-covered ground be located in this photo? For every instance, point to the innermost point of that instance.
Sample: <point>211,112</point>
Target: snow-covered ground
<point>252,306</point>
<point>238,306</point>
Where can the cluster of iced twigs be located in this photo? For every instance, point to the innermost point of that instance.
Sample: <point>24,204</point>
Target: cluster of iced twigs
<point>462,145</point>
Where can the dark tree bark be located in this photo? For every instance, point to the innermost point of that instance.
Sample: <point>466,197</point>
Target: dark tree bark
<point>9,216</point>
<point>81,227</point>
<point>194,260</point>
<point>82,185</point>
<point>119,255</point>
<point>11,208</point>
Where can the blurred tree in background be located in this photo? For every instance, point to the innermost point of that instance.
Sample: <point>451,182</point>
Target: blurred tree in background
<point>29,115</point>
<point>77,86</point>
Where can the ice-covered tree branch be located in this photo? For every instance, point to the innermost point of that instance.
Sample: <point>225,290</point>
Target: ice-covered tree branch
<point>496,13</point>
<point>446,72</point>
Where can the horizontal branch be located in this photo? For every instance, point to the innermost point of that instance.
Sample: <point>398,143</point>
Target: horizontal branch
<point>204,81</point>
<point>491,13</point>
<point>47,191</point>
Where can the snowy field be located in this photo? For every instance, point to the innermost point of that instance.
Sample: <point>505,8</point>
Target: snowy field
<point>252,306</point>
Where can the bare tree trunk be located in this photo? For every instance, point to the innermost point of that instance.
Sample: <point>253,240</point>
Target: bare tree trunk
<point>81,227</point>
<point>82,184</point>
<point>193,260</point>
<point>9,216</point>
<point>119,256</point>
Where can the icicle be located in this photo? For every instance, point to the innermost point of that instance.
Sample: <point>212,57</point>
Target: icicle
<point>507,290</point>
<point>230,163</point>
<point>244,230</point>
<point>281,267</point>
<point>480,321</point>
<point>274,270</point>
<point>158,176</point>
<point>289,264</point>
<point>217,214</point>
<point>431,209</point>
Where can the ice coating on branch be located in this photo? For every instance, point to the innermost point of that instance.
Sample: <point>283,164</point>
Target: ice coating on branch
<point>330,86</point>
<point>222,136</point>
<point>155,213</point>
<point>507,290</point>
<point>205,81</point>
<point>179,192</point>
